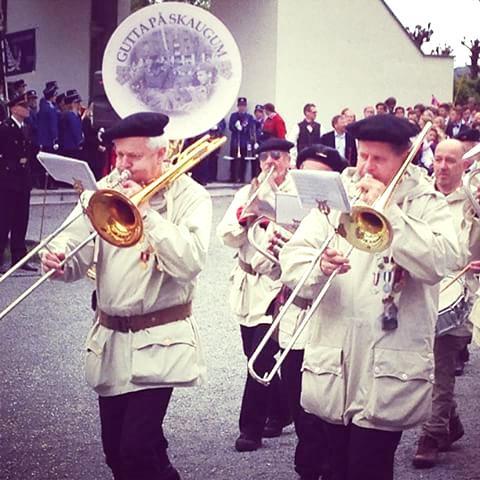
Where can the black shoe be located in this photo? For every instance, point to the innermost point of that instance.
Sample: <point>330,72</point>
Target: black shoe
<point>247,444</point>
<point>28,267</point>
<point>171,473</point>
<point>273,427</point>
<point>459,367</point>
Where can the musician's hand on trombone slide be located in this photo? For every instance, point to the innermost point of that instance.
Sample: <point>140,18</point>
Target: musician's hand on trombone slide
<point>52,261</point>
<point>332,260</point>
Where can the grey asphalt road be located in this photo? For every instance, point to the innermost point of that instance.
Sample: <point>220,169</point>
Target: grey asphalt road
<point>48,416</point>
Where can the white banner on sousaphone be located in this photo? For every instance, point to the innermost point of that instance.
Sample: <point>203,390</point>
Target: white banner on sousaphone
<point>176,59</point>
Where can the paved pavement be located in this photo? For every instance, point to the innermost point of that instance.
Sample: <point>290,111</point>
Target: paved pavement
<point>48,416</point>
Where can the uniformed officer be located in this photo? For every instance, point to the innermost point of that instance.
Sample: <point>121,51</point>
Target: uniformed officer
<point>240,125</point>
<point>70,130</point>
<point>48,121</point>
<point>144,341</point>
<point>368,366</point>
<point>38,172</point>
<point>311,450</point>
<point>15,180</point>
<point>444,427</point>
<point>250,299</point>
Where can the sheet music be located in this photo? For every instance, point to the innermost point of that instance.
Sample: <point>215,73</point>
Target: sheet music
<point>314,186</point>
<point>289,210</point>
<point>69,170</point>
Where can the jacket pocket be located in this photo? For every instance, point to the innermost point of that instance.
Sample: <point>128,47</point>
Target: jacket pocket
<point>323,388</point>
<point>96,373</point>
<point>166,354</point>
<point>401,391</point>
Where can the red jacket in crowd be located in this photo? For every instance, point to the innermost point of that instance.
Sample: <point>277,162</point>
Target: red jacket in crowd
<point>275,126</point>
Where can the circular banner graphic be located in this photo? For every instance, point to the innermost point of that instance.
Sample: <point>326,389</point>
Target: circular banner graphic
<point>176,59</point>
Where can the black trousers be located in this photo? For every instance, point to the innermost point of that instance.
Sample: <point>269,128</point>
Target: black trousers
<point>360,453</point>
<point>255,167</point>
<point>311,450</point>
<point>14,213</point>
<point>260,402</point>
<point>132,434</point>
<point>239,164</point>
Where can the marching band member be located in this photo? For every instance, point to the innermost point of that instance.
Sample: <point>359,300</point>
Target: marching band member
<point>250,299</point>
<point>444,427</point>
<point>368,366</point>
<point>310,453</point>
<point>144,341</point>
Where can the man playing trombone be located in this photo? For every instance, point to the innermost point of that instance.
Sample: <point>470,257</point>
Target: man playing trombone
<point>368,366</point>
<point>311,451</point>
<point>252,294</point>
<point>144,341</point>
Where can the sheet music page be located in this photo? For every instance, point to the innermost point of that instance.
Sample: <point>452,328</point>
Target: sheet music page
<point>315,186</point>
<point>289,210</point>
<point>68,170</point>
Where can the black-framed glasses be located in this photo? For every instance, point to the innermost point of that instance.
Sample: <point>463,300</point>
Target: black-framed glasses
<point>275,154</point>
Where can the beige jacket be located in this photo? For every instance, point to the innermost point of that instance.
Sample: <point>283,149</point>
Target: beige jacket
<point>250,295</point>
<point>354,371</point>
<point>294,315</point>
<point>177,229</point>
<point>467,228</point>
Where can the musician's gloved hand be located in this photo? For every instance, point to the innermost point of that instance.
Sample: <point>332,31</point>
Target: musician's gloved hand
<point>51,261</point>
<point>331,260</point>
<point>244,220</point>
<point>238,126</point>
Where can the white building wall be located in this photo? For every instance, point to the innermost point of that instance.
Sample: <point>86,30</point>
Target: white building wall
<point>335,53</point>
<point>340,53</point>
<point>63,41</point>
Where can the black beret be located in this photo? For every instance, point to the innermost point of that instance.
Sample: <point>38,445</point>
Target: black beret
<point>141,124</point>
<point>32,94</point>
<point>17,99</point>
<point>50,84</point>
<point>19,83</point>
<point>470,135</point>
<point>258,107</point>
<point>241,101</point>
<point>383,128</point>
<point>320,153</point>
<point>275,144</point>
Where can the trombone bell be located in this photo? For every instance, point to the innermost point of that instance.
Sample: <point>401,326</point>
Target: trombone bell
<point>115,218</point>
<point>366,229</point>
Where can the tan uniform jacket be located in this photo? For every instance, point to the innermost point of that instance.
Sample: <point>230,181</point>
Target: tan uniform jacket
<point>250,295</point>
<point>354,371</point>
<point>177,228</point>
<point>467,228</point>
<point>294,315</point>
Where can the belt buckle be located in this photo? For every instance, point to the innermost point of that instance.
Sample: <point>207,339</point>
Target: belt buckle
<point>124,324</point>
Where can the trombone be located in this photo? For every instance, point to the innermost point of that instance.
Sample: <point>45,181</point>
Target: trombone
<point>366,228</point>
<point>115,217</point>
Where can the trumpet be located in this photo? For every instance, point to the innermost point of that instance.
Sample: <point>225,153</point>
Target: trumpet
<point>115,217</point>
<point>365,228</point>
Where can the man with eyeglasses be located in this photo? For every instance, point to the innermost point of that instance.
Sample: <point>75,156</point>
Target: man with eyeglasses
<point>15,180</point>
<point>308,132</point>
<point>252,295</point>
